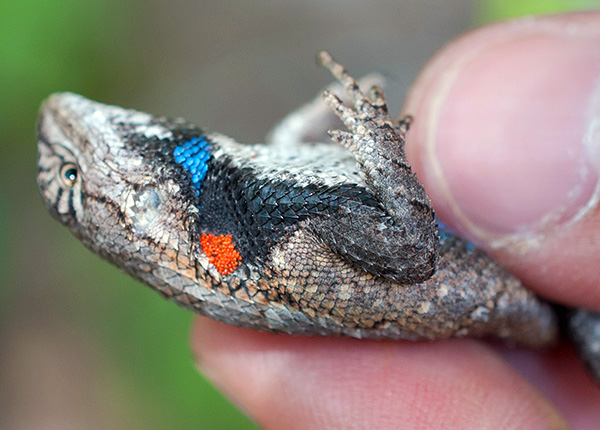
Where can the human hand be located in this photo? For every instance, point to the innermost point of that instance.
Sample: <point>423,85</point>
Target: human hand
<point>506,140</point>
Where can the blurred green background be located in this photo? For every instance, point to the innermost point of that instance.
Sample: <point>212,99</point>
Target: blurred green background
<point>82,345</point>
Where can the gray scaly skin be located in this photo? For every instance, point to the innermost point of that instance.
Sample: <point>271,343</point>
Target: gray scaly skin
<point>333,238</point>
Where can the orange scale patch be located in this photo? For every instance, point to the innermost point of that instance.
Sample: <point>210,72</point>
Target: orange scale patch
<point>221,252</point>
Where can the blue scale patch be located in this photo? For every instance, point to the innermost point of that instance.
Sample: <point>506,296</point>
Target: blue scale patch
<point>445,232</point>
<point>193,155</point>
<point>443,229</point>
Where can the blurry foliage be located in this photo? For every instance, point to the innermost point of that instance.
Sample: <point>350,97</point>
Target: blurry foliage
<point>4,261</point>
<point>48,46</point>
<point>494,10</point>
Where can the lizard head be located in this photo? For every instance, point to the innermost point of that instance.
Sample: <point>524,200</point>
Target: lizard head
<point>103,172</point>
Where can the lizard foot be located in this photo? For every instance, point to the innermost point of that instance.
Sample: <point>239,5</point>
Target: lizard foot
<point>372,129</point>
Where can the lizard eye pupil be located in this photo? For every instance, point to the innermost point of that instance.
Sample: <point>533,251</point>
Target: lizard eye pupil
<point>68,174</point>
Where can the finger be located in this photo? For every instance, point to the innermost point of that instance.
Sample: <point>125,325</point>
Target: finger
<point>300,382</point>
<point>561,376</point>
<point>506,139</point>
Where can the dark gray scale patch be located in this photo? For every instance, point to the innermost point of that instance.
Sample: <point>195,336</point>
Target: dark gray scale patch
<point>259,212</point>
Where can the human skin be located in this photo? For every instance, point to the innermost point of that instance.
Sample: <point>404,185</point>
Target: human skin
<point>506,140</point>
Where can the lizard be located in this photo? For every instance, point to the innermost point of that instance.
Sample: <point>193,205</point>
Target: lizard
<point>293,236</point>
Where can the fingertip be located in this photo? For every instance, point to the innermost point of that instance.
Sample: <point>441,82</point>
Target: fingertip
<point>506,142</point>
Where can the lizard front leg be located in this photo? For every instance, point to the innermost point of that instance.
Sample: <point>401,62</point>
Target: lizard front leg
<point>403,233</point>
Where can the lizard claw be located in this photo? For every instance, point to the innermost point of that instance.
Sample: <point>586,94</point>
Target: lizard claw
<point>366,108</point>
<point>404,124</point>
<point>374,136</point>
<point>347,115</point>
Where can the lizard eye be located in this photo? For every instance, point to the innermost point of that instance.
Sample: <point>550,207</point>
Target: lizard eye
<point>68,174</point>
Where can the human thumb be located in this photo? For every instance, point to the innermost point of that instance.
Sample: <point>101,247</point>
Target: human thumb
<point>506,140</point>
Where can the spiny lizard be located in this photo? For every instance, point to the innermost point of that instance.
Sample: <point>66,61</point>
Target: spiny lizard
<point>293,236</point>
